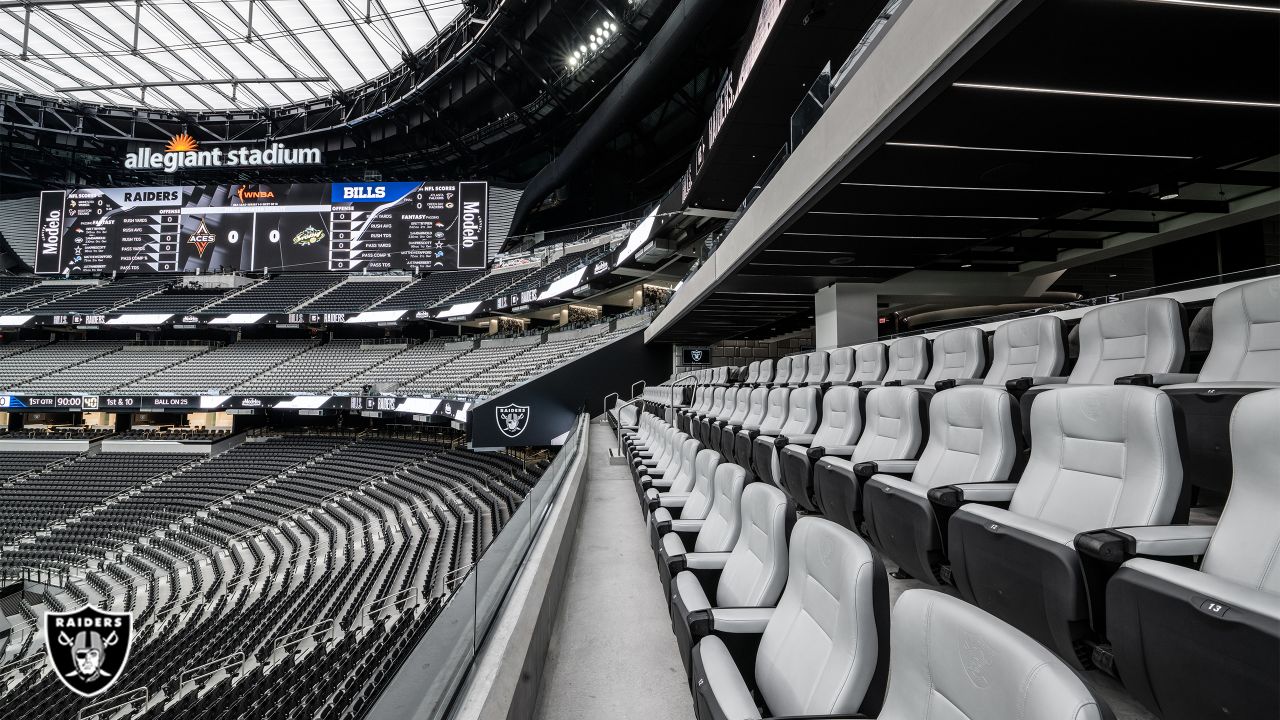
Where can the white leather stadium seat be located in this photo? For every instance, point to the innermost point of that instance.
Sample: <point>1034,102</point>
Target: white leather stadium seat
<point>752,574</point>
<point>948,659</point>
<point>893,429</point>
<point>1203,642</point>
<point>803,414</point>
<point>717,532</point>
<point>837,432</point>
<point>821,649</point>
<point>972,439</point>
<point>1102,456</point>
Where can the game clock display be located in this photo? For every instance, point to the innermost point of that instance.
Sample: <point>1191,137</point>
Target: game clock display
<point>343,227</point>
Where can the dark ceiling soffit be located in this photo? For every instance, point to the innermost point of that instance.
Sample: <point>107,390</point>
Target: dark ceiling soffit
<point>667,48</point>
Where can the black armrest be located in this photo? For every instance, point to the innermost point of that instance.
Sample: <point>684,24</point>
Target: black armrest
<point>752,434</point>
<point>700,624</point>
<point>824,387</point>
<point>815,453</point>
<point>677,565</point>
<point>1103,545</point>
<point>953,496</point>
<point>944,385</point>
<point>948,496</point>
<point>781,441</point>
<point>893,383</point>
<point>1142,379</point>
<point>1018,386</point>
<point>864,470</point>
<point>653,504</point>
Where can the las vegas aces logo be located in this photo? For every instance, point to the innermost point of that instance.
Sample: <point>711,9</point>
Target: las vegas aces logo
<point>88,648</point>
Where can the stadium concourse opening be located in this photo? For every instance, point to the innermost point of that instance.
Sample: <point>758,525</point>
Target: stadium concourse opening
<point>582,359</point>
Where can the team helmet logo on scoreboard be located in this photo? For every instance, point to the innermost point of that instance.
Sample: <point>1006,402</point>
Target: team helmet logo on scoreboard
<point>201,238</point>
<point>696,355</point>
<point>513,419</point>
<point>88,648</point>
<point>181,142</point>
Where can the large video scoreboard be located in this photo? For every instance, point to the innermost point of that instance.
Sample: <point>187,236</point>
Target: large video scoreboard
<point>344,227</point>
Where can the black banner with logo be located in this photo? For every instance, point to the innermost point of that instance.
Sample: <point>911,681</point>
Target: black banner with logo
<point>542,411</point>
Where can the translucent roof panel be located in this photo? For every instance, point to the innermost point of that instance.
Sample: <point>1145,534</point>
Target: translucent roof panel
<point>209,54</point>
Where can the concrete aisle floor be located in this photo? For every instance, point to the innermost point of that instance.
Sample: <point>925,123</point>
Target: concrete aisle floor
<point>612,654</point>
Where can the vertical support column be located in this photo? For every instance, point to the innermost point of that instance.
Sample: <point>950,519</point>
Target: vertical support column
<point>844,314</point>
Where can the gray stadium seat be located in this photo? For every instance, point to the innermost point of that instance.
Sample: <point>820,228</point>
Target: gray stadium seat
<point>893,429</point>
<point>1244,358</point>
<point>959,354</point>
<point>690,503</point>
<point>818,364</point>
<point>948,659</point>
<point>717,532</point>
<point>803,414</point>
<point>753,415</point>
<point>871,362</point>
<point>775,415</point>
<point>752,574</point>
<point>972,439</point>
<point>1102,457</point>
<point>837,432</point>
<point>1117,340</point>
<point>799,370</point>
<point>1200,642</point>
<point>907,359</point>
<point>840,367</point>
<point>822,649</point>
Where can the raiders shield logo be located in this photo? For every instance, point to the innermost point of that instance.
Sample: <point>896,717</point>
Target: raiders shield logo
<point>696,355</point>
<point>513,419</point>
<point>88,648</point>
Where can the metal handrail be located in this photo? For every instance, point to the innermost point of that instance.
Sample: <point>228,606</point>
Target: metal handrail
<point>643,385</point>
<point>618,429</point>
<point>679,382</point>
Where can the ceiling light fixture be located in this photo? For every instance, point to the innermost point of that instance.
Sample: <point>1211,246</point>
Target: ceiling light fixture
<point>1167,191</point>
<point>1216,5</point>
<point>1116,96</point>
<point>939,146</point>
<point>975,188</point>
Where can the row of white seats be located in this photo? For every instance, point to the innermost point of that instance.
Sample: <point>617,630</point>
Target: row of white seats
<point>1079,553</point>
<point>1137,342</point>
<point>805,611</point>
<point>1102,456</point>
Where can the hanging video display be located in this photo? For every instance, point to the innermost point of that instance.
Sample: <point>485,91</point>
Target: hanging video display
<point>342,227</point>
